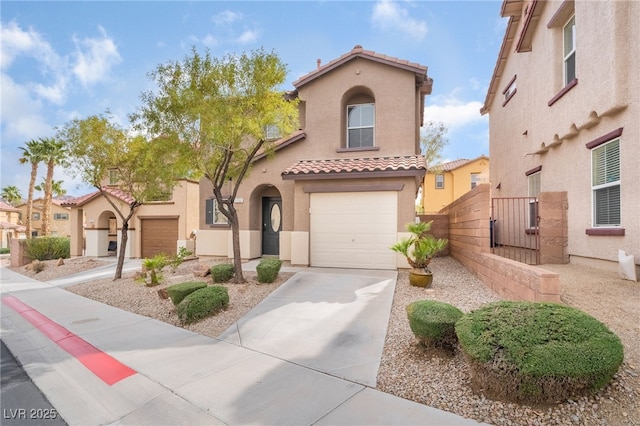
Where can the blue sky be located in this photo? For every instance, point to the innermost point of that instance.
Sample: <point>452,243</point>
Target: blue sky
<point>61,60</point>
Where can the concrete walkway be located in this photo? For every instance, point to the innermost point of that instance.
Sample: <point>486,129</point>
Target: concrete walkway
<point>308,354</point>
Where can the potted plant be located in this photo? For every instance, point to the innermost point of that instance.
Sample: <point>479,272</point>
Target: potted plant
<point>419,248</point>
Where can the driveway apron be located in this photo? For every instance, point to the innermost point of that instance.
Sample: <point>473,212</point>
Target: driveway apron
<point>330,320</point>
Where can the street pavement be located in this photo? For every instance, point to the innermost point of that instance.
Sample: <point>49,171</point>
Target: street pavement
<point>308,354</point>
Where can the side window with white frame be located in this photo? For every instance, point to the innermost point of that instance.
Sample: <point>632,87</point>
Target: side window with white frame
<point>569,50</point>
<point>475,178</point>
<point>360,125</point>
<point>533,182</point>
<point>605,184</point>
<point>439,181</point>
<point>213,215</point>
<point>61,216</point>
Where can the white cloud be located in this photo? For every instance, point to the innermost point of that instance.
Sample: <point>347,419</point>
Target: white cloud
<point>452,111</point>
<point>21,114</point>
<point>247,37</point>
<point>95,57</point>
<point>388,16</point>
<point>226,17</point>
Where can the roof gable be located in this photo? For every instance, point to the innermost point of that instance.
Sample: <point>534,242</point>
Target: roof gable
<point>358,52</point>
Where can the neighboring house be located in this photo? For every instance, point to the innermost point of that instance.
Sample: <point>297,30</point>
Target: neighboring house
<point>448,181</point>
<point>10,226</point>
<point>564,116</point>
<point>60,224</point>
<point>338,192</point>
<point>156,227</point>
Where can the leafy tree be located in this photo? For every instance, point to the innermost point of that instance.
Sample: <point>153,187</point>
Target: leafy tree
<point>11,194</point>
<point>146,168</point>
<point>56,187</point>
<point>53,153</point>
<point>32,154</point>
<point>433,140</point>
<point>219,110</point>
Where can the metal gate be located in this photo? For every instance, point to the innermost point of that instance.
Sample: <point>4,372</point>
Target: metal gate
<point>514,229</point>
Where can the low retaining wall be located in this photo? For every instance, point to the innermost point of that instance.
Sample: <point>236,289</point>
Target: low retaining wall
<point>469,240</point>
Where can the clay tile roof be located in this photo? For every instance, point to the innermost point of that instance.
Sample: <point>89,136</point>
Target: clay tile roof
<point>355,165</point>
<point>114,192</point>
<point>18,228</point>
<point>6,207</point>
<point>451,165</point>
<point>359,52</point>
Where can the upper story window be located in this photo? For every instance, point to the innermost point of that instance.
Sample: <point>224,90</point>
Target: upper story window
<point>439,181</point>
<point>360,125</point>
<point>569,50</point>
<point>605,184</point>
<point>475,178</point>
<point>114,176</point>
<point>35,216</point>
<point>272,132</point>
<point>509,91</point>
<point>61,216</point>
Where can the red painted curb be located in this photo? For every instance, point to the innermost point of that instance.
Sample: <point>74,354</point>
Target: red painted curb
<point>107,368</point>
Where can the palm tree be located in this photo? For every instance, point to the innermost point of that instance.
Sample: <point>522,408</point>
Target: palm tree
<point>53,153</point>
<point>56,187</point>
<point>32,154</point>
<point>11,194</point>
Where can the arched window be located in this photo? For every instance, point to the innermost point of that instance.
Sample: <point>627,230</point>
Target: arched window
<point>360,125</point>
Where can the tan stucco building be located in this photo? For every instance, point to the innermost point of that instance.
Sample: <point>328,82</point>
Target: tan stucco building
<point>450,180</point>
<point>59,224</point>
<point>10,226</point>
<point>339,191</point>
<point>564,116</point>
<point>156,227</point>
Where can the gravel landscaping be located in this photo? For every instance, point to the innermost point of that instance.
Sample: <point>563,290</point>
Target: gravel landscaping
<point>409,371</point>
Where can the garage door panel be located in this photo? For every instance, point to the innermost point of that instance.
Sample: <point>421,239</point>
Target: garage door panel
<point>353,230</point>
<point>159,236</point>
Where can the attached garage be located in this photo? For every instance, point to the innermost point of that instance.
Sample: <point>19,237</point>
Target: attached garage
<point>159,235</point>
<point>353,229</point>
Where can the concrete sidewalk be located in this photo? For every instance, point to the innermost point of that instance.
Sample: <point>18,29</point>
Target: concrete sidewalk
<point>290,361</point>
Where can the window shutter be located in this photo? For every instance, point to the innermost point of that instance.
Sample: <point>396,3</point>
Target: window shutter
<point>209,212</point>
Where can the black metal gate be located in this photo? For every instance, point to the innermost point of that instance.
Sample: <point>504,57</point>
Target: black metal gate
<point>514,229</point>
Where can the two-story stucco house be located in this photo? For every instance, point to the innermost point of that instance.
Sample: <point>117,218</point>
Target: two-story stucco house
<point>448,181</point>
<point>564,116</point>
<point>59,224</point>
<point>10,226</point>
<point>338,192</point>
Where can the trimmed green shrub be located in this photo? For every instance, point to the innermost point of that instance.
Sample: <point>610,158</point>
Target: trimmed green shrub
<point>268,270</point>
<point>202,303</point>
<point>178,292</point>
<point>4,250</point>
<point>433,323</point>
<point>538,352</point>
<point>47,248</point>
<point>223,272</point>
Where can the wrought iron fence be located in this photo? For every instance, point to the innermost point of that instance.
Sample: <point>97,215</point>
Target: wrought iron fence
<point>514,229</point>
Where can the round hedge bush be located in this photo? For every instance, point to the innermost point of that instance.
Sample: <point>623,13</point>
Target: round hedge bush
<point>202,303</point>
<point>433,322</point>
<point>537,352</point>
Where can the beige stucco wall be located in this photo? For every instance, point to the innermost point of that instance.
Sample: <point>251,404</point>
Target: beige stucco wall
<point>58,228</point>
<point>606,98</point>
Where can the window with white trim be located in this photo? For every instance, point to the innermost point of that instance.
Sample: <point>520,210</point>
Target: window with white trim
<point>114,176</point>
<point>475,178</point>
<point>605,184</point>
<point>61,216</point>
<point>35,216</point>
<point>272,132</point>
<point>439,181</point>
<point>360,125</point>
<point>533,182</point>
<point>213,215</point>
<point>569,50</point>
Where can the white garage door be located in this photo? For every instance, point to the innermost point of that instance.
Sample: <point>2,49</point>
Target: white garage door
<point>353,229</point>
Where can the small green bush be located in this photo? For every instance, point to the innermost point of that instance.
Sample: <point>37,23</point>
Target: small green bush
<point>223,272</point>
<point>178,292</point>
<point>538,352</point>
<point>47,248</point>
<point>268,270</point>
<point>4,250</point>
<point>433,323</point>
<point>202,303</point>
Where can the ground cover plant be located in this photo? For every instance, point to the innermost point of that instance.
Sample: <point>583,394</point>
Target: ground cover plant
<point>48,248</point>
<point>537,352</point>
<point>202,303</point>
<point>268,270</point>
<point>222,273</point>
<point>433,323</point>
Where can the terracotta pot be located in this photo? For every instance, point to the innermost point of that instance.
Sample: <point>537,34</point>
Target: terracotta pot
<point>420,278</point>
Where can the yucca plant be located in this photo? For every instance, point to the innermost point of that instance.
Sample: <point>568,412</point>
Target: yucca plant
<point>420,247</point>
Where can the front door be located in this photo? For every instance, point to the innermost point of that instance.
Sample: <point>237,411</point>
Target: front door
<point>271,225</point>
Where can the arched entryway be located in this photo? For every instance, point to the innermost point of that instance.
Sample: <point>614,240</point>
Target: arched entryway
<point>266,211</point>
